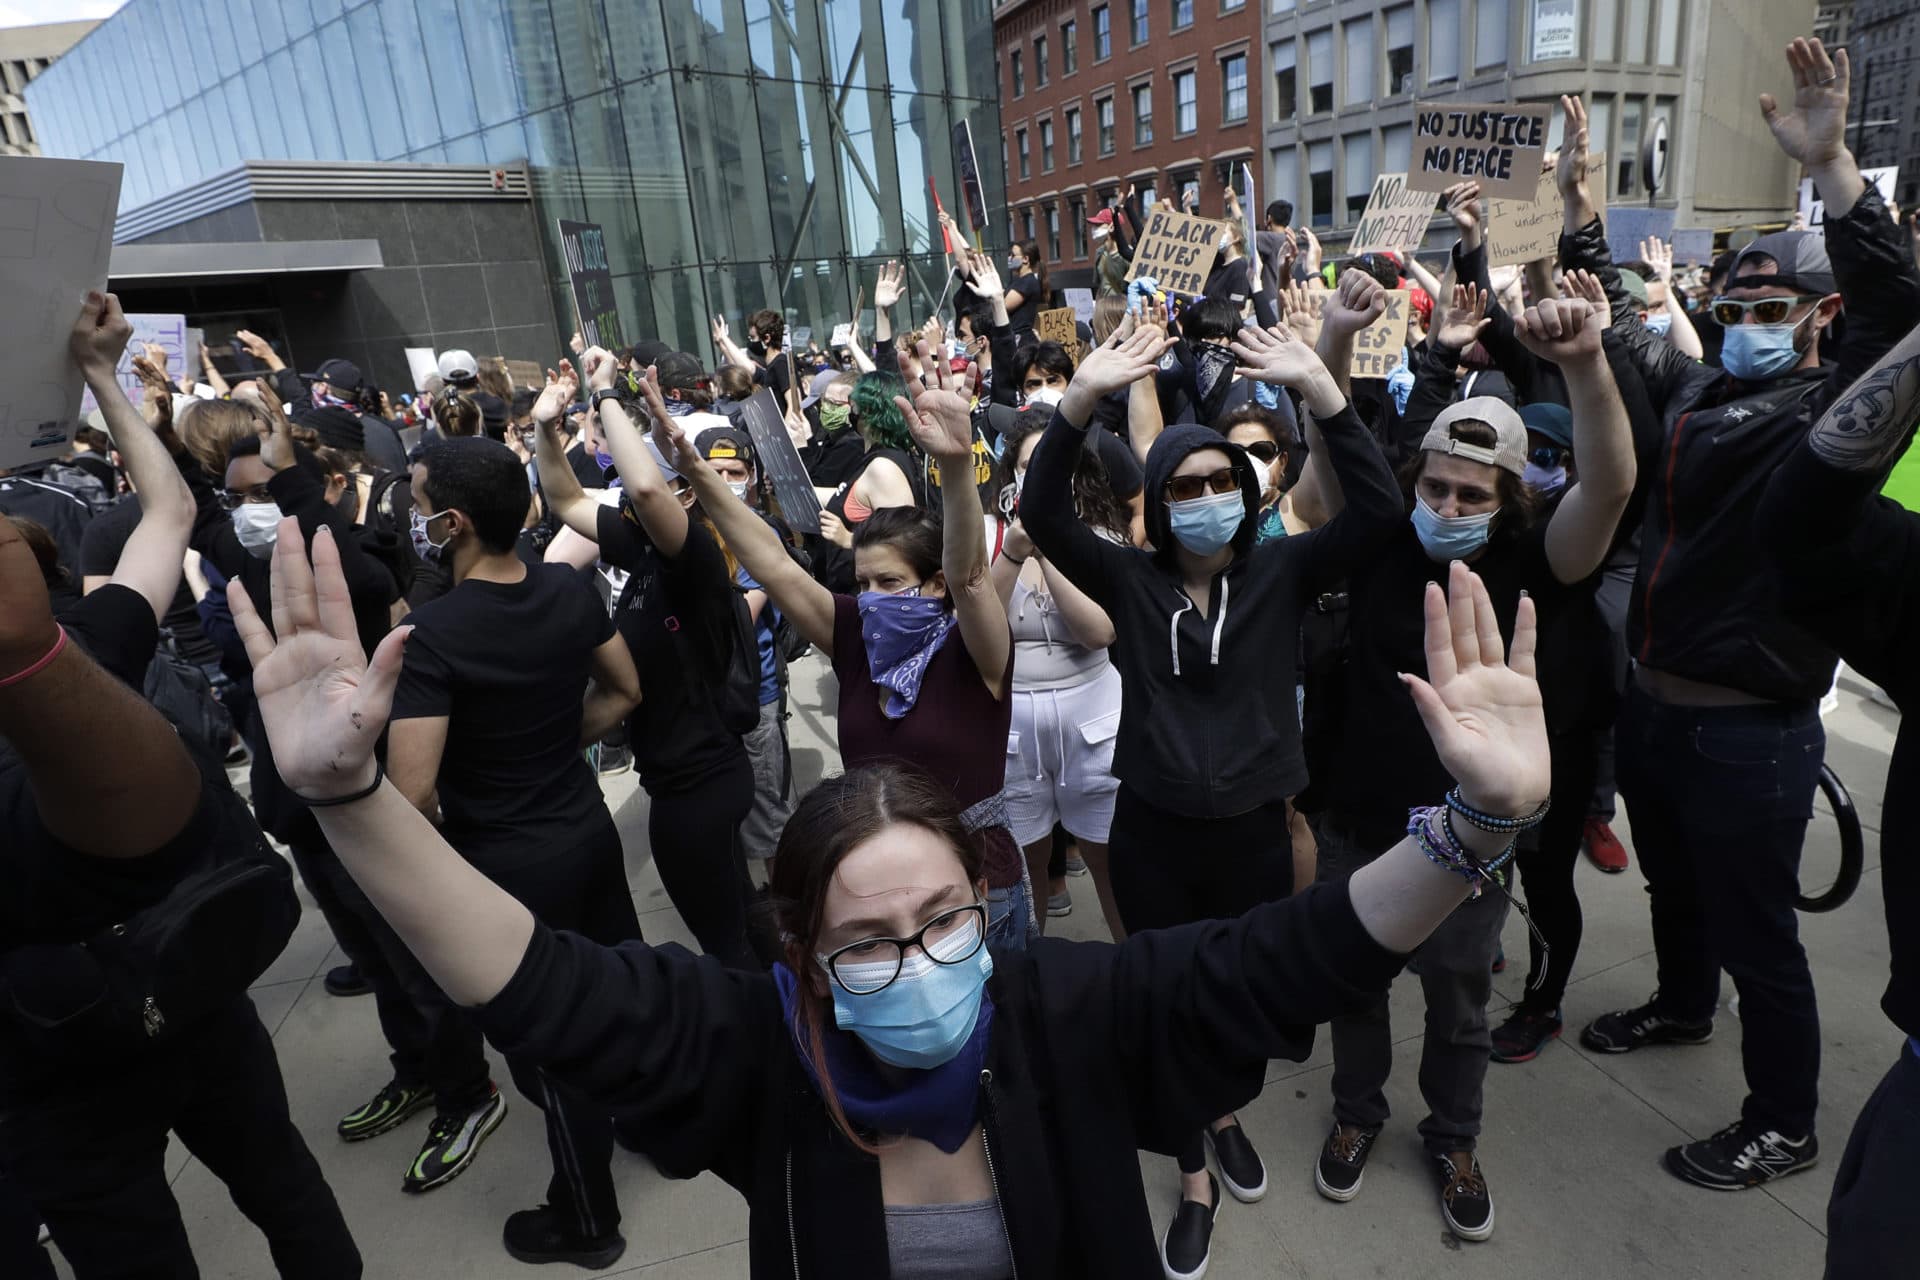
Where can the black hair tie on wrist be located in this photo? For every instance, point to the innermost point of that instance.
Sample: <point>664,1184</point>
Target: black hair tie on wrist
<point>379,776</point>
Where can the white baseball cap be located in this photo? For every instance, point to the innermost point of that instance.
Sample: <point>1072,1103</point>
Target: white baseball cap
<point>459,366</point>
<point>1509,450</point>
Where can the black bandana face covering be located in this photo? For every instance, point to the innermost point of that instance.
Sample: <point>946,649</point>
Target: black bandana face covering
<point>1212,377</point>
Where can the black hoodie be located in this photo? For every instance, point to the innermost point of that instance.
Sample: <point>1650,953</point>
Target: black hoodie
<point>1208,720</point>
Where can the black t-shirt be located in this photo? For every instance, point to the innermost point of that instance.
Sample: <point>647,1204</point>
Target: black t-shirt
<point>1028,287</point>
<point>774,374</point>
<point>100,548</point>
<point>507,664</point>
<point>833,460</point>
<point>585,468</point>
<point>677,616</point>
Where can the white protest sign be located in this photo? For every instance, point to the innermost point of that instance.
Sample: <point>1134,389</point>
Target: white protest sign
<point>56,234</point>
<point>422,364</point>
<point>1523,230</point>
<point>1081,300</point>
<point>1498,145</point>
<point>842,336</point>
<point>1381,347</point>
<point>169,333</point>
<point>1814,209</point>
<point>1693,245</point>
<point>1395,220</point>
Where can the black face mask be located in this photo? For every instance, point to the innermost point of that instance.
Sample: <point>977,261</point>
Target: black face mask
<point>756,348</point>
<point>348,503</point>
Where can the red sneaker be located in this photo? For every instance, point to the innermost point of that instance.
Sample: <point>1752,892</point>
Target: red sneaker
<point>1603,847</point>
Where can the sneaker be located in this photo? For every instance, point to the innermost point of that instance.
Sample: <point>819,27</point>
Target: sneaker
<point>1500,959</point>
<point>1625,1030</point>
<point>1240,1166</point>
<point>388,1109</point>
<point>615,759</point>
<point>1523,1035</point>
<point>346,980</point>
<point>1059,904</point>
<point>1741,1156</point>
<point>1465,1202</point>
<point>1189,1238</point>
<point>1343,1161</point>
<point>1604,849</point>
<point>452,1143</point>
<point>539,1235</point>
<point>1076,865</point>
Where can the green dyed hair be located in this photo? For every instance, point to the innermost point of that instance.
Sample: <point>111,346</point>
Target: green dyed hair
<point>880,419</point>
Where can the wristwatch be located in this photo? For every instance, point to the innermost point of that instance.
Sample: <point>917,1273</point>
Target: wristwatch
<point>604,393</point>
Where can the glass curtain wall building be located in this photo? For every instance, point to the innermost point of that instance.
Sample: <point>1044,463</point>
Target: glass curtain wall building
<point>739,153</point>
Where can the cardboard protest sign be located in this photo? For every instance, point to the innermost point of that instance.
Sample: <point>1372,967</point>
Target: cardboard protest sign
<point>1380,348</point>
<point>1693,246</point>
<point>524,373</point>
<point>56,232</point>
<point>1396,217</point>
<point>780,462</point>
<point>1057,326</point>
<point>1523,230</point>
<point>1177,250</point>
<point>1498,145</point>
<point>585,247</point>
<point>970,189</point>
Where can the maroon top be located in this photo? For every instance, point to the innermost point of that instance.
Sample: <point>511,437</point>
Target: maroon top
<point>956,732</point>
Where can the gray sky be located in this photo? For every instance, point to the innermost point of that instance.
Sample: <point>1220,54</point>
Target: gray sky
<point>24,13</point>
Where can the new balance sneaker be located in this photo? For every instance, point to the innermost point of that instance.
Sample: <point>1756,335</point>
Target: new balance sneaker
<point>1059,904</point>
<point>1076,865</point>
<point>387,1109</point>
<point>1465,1202</point>
<point>1604,849</point>
<point>614,759</point>
<point>1240,1166</point>
<point>452,1143</point>
<point>541,1235</point>
<point>1523,1035</point>
<point>1625,1030</point>
<point>1741,1156</point>
<point>1343,1161</point>
<point>1189,1240</point>
<point>346,980</point>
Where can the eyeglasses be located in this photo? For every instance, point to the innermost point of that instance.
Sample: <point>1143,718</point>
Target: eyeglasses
<point>871,965</point>
<point>1265,450</point>
<point>1732,311</point>
<point>1187,488</point>
<point>231,498</point>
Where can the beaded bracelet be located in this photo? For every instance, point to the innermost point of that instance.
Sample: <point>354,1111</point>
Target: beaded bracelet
<point>1444,848</point>
<point>1440,846</point>
<point>379,776</point>
<point>1456,803</point>
<point>40,664</point>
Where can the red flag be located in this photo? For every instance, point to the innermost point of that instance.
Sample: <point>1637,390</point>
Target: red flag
<point>946,236</point>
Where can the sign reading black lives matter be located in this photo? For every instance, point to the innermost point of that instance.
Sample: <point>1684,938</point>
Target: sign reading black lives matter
<point>1498,146</point>
<point>781,462</point>
<point>1177,251</point>
<point>585,248</point>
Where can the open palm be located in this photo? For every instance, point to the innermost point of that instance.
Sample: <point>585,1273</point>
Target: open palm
<point>1459,323</point>
<point>1814,132</point>
<point>1276,356</point>
<point>940,413</point>
<point>561,388</point>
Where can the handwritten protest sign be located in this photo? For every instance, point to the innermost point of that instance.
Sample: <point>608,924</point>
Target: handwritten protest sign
<point>842,336</point>
<point>1396,217</point>
<point>781,462</point>
<point>1693,246</point>
<point>1497,145</point>
<point>1177,250</point>
<point>56,230</point>
<point>1057,326</point>
<point>167,332</point>
<point>1380,348</point>
<point>1081,301</point>
<point>1522,230</point>
<point>585,248</point>
<point>524,373</point>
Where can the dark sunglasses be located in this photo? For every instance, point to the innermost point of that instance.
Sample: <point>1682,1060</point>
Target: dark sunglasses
<point>231,499</point>
<point>1265,450</point>
<point>1548,455</point>
<point>1731,311</point>
<point>1187,488</point>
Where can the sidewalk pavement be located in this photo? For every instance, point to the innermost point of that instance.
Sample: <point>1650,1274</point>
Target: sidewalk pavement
<point>1571,1149</point>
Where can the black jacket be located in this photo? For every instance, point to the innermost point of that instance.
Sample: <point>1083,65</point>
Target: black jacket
<point>1705,606</point>
<point>1096,1052</point>
<point>1208,725</point>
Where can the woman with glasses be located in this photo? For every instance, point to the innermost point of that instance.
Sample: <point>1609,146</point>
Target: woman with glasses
<point>1268,438</point>
<point>1205,628</point>
<point>895,1097</point>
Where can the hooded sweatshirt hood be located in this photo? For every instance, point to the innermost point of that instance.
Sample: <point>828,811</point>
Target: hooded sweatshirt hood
<point>1167,453</point>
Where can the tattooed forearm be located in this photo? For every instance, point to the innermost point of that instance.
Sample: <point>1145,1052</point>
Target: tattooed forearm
<point>1869,425</point>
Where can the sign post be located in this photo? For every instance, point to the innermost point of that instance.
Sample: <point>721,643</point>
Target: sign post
<point>1498,145</point>
<point>585,247</point>
<point>1177,250</point>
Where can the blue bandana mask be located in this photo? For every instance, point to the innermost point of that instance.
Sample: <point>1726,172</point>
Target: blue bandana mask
<point>1451,537</point>
<point>1758,352</point>
<point>901,634</point>
<point>1205,524</point>
<point>929,1011</point>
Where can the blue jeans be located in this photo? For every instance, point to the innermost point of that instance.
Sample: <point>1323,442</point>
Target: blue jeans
<point>1009,916</point>
<point>1720,798</point>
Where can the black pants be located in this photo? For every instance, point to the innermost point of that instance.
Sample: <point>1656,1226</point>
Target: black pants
<point>21,1257</point>
<point>695,834</point>
<point>91,1156</point>
<point>1871,1229</point>
<point>1546,860</point>
<point>1169,869</point>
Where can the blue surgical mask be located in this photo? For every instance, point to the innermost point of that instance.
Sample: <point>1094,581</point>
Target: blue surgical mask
<point>925,1017</point>
<point>423,545</point>
<point>1757,352</point>
<point>1451,537</point>
<point>1545,479</point>
<point>1659,323</point>
<point>1205,524</point>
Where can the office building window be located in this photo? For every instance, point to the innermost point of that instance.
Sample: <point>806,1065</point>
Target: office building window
<point>1320,183</point>
<point>1668,49</point>
<point>1400,50</point>
<point>1228,6</point>
<point>1103,122</point>
<point>1358,35</point>
<point>1020,149</point>
<point>1443,41</point>
<point>1606,30</point>
<point>1626,162</point>
<point>1142,114</point>
<point>1286,89</point>
<point>1489,34</point>
<point>1283,174</point>
<point>1357,160</point>
<point>1282,6</point>
<point>1233,88</point>
<point>1186,105</point>
<point>1320,71</point>
<point>1396,148</point>
<point>1053,233</point>
<point>1638,25</point>
<point>1148,192</point>
<point>1046,146</point>
<point>1140,29</point>
<point>1077,213</point>
<point>1039,61</point>
<point>1026,226</point>
<point>1019,74</point>
<point>1102,33</point>
<point>1182,14</point>
<point>1073,135</point>
<point>1069,48</point>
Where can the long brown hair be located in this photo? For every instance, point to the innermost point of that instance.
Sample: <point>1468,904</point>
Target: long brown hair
<point>828,822</point>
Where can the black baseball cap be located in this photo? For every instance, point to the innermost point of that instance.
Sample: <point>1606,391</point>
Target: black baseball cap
<point>336,373</point>
<point>681,372</point>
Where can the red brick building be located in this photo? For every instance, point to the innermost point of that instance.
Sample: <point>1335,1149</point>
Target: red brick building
<point>1097,94</point>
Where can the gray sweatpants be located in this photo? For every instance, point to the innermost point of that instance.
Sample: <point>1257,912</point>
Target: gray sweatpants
<point>772,797</point>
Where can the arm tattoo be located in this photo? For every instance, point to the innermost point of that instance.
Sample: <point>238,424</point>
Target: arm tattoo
<point>1868,426</point>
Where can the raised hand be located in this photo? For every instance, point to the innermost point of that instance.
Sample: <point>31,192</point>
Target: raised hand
<point>1458,322</point>
<point>563,385</point>
<point>1481,709</point>
<point>1276,356</point>
<point>1586,286</point>
<point>1560,330</point>
<point>1128,355</point>
<point>1357,303</point>
<point>835,530</point>
<point>890,286</point>
<point>1463,206</point>
<point>599,366</point>
<point>1300,308</point>
<point>100,334</point>
<point>257,347</point>
<point>983,277</point>
<point>269,423</point>
<point>1570,174</point>
<point>675,445</point>
<point>940,413</point>
<point>1658,255</point>
<point>1814,132</point>
<point>720,332</point>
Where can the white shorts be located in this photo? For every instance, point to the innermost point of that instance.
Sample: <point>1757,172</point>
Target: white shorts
<point>1060,760</point>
